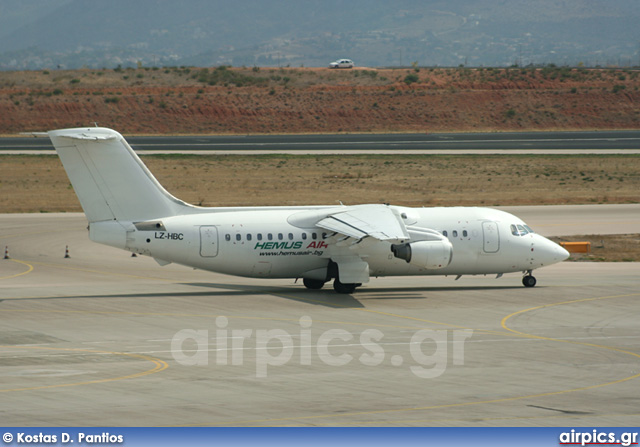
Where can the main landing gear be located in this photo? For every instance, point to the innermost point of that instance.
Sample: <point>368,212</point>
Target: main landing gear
<point>317,284</point>
<point>313,284</point>
<point>528,280</point>
<point>344,288</point>
<point>332,272</point>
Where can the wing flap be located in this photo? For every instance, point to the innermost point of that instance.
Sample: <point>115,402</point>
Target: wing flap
<point>360,221</point>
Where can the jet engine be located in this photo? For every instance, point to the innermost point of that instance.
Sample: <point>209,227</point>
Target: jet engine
<point>425,254</point>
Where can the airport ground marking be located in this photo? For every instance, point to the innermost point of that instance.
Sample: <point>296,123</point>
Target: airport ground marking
<point>160,365</point>
<point>405,317</point>
<point>31,233</point>
<point>511,332</point>
<point>29,269</point>
<point>560,340</point>
<point>362,309</point>
<point>170,314</point>
<point>100,272</point>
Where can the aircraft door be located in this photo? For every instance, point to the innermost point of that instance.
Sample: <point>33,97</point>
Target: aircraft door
<point>491,237</point>
<point>208,241</point>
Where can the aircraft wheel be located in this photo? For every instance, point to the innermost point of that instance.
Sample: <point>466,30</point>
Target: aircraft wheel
<point>313,284</point>
<point>344,288</point>
<point>528,281</point>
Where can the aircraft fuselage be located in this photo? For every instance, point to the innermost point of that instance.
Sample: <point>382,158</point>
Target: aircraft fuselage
<point>261,242</point>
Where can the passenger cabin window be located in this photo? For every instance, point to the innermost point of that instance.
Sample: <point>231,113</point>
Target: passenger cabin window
<point>259,236</point>
<point>455,233</point>
<point>227,237</point>
<point>238,237</point>
<point>270,236</point>
<point>314,236</point>
<point>290,236</point>
<point>304,236</point>
<point>445,234</point>
<point>249,236</point>
<point>280,236</point>
<point>464,233</point>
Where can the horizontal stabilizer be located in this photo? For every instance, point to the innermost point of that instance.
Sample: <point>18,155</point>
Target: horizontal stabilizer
<point>93,136</point>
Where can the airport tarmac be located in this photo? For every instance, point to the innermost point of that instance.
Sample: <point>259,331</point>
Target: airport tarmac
<point>105,339</point>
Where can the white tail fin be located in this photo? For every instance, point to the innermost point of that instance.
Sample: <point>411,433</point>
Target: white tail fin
<point>109,179</point>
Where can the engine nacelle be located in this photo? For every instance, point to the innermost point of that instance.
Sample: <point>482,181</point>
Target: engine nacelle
<point>425,254</point>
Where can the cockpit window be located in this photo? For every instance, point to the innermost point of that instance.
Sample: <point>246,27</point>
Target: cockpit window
<point>520,230</point>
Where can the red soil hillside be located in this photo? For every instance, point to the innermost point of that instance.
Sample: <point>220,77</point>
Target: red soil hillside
<point>299,100</point>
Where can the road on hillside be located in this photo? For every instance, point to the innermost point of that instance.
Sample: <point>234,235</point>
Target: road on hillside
<point>520,141</point>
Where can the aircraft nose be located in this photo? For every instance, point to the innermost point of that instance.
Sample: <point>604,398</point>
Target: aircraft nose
<point>548,252</point>
<point>564,254</point>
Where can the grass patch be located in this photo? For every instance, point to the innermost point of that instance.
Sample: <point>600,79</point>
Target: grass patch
<point>410,180</point>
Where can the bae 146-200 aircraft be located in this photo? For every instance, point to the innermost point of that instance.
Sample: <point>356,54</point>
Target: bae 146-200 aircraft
<point>127,208</point>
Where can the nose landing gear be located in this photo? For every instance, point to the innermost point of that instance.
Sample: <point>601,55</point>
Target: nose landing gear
<point>528,280</point>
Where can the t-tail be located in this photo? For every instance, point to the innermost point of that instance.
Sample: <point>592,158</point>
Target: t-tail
<point>116,190</point>
<point>110,180</point>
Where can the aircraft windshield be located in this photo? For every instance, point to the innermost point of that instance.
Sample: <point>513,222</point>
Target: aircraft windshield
<point>520,230</point>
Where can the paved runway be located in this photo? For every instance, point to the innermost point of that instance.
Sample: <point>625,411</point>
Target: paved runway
<point>603,142</point>
<point>104,339</point>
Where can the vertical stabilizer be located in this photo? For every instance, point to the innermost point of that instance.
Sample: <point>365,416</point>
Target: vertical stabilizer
<point>109,179</point>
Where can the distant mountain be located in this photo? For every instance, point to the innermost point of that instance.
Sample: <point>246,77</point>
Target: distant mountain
<point>74,33</point>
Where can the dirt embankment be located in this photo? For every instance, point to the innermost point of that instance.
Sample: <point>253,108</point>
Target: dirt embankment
<point>301,100</point>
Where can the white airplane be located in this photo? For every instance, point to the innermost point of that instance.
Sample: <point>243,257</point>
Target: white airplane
<point>127,208</point>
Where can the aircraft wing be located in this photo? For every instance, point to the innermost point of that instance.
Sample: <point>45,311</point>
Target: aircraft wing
<point>377,221</point>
